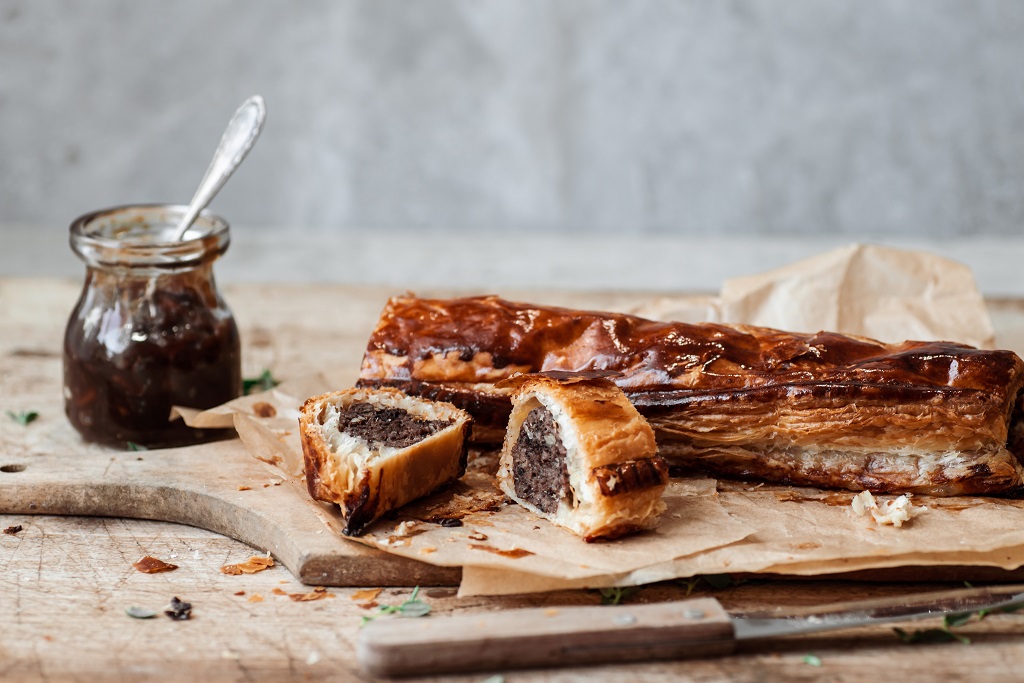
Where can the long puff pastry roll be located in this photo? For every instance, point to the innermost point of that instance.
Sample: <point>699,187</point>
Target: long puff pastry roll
<point>370,451</point>
<point>578,453</point>
<point>810,409</point>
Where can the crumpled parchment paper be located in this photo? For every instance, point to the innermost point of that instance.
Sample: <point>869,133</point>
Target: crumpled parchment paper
<point>865,290</point>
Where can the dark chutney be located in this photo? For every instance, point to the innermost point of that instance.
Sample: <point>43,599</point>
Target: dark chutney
<point>131,354</point>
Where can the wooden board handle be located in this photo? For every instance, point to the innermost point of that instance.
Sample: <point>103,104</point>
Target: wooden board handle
<point>562,636</point>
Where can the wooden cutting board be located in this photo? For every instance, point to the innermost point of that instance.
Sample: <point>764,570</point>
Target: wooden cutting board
<point>200,486</point>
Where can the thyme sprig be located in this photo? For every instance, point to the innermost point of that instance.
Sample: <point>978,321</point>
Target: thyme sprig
<point>412,607</point>
<point>617,594</point>
<point>24,417</point>
<point>264,382</point>
<point>949,622</point>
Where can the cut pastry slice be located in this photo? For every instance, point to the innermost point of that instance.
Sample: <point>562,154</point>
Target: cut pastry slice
<point>371,451</point>
<point>579,454</point>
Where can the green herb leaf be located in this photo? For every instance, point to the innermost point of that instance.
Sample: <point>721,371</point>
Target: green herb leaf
<point>812,659</point>
<point>412,607</point>
<point>616,594</point>
<point>132,446</point>
<point>982,613</point>
<point>265,382</point>
<point>930,635</point>
<point>23,418</point>
<point>951,620</point>
<point>690,584</point>
<point>496,678</point>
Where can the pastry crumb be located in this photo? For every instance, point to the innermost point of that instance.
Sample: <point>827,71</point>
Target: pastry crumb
<point>152,565</point>
<point>894,512</point>
<point>409,527</point>
<point>318,593</point>
<point>254,564</point>
<point>366,594</point>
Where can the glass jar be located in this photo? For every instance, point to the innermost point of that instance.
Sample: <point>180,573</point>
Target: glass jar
<point>150,330</point>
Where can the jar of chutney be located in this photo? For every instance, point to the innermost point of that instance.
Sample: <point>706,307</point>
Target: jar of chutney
<point>150,330</point>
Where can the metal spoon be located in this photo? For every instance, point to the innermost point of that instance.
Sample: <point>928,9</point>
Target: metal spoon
<point>239,137</point>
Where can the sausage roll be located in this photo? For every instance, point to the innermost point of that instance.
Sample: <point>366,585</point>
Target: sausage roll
<point>371,451</point>
<point>809,409</point>
<point>579,454</point>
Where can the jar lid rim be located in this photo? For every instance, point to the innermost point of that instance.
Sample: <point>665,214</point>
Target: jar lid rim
<point>207,238</point>
<point>78,226</point>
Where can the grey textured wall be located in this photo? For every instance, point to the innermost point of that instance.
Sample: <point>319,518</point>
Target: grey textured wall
<point>698,117</point>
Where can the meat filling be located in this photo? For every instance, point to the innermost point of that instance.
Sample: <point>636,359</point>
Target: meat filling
<point>538,462</point>
<point>392,427</point>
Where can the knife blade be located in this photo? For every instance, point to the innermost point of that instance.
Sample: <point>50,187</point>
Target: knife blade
<point>699,627</point>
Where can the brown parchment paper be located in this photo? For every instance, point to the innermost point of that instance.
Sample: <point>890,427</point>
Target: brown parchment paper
<point>807,532</point>
<point>710,526</point>
<point>861,289</point>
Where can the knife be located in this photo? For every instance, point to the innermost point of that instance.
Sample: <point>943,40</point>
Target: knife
<point>563,636</point>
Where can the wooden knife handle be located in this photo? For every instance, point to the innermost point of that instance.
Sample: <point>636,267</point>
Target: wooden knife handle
<point>557,636</point>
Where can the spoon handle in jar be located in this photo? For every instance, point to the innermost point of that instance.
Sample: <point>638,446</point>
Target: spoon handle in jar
<point>238,138</point>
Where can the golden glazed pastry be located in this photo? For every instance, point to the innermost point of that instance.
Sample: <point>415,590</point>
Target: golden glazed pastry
<point>371,451</point>
<point>577,453</point>
<point>809,409</point>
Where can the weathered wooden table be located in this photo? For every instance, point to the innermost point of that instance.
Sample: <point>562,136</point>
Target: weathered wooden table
<point>66,581</point>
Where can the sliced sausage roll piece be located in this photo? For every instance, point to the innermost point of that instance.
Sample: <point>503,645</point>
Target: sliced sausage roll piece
<point>579,454</point>
<point>374,450</point>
